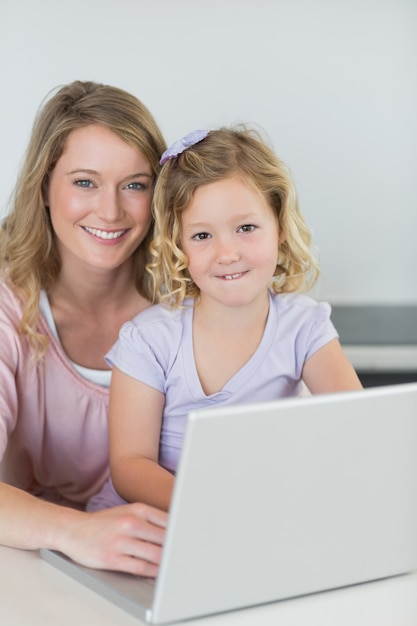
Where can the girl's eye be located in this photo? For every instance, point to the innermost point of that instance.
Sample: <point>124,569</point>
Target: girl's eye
<point>247,228</point>
<point>84,182</point>
<point>201,236</point>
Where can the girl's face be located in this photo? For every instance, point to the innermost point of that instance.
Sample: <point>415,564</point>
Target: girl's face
<point>99,199</point>
<point>230,236</point>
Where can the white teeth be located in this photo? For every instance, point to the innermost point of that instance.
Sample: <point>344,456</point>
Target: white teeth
<point>232,276</point>
<point>104,234</point>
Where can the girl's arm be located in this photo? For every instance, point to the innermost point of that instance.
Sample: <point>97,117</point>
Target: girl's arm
<point>135,419</point>
<point>329,370</point>
<point>126,538</point>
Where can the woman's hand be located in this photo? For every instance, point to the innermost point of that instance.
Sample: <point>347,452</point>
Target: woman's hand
<point>125,538</point>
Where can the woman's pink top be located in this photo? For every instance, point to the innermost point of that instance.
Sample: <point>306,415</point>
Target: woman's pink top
<point>53,422</point>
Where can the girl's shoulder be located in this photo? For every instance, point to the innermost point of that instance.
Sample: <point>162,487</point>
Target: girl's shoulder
<point>300,305</point>
<point>158,326</point>
<point>161,315</point>
<point>297,300</point>
<point>303,322</point>
<point>155,335</point>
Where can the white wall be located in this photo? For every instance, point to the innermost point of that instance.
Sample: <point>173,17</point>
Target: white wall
<point>334,83</point>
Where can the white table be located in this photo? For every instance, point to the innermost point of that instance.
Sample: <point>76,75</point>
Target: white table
<point>33,593</point>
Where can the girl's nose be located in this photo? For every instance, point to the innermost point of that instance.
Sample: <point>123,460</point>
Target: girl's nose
<point>227,251</point>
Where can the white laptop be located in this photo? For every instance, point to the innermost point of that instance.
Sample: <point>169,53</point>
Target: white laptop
<point>281,499</point>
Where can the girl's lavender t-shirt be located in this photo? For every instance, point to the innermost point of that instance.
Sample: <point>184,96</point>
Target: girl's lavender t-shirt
<point>156,348</point>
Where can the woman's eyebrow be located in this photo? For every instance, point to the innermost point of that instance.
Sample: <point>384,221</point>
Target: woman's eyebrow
<point>139,174</point>
<point>86,170</point>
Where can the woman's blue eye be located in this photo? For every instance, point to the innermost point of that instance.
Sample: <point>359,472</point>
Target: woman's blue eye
<point>83,182</point>
<point>135,186</point>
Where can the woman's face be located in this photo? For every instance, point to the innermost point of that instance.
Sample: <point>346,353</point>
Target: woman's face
<point>99,199</point>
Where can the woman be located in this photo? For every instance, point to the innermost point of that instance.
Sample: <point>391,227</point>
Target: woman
<point>72,256</point>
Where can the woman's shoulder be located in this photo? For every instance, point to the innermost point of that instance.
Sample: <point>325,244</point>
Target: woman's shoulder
<point>10,305</point>
<point>14,348</point>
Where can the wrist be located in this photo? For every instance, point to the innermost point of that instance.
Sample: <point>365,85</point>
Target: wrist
<point>62,528</point>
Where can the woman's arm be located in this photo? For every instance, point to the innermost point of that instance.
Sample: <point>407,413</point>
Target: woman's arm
<point>329,370</point>
<point>135,418</point>
<point>126,538</point>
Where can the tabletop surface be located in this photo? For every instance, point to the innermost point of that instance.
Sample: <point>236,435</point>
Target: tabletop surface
<point>34,593</point>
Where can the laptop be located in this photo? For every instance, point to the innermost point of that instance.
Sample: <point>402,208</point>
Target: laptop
<point>281,499</point>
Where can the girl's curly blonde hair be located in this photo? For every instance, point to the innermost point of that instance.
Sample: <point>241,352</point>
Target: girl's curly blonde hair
<point>29,257</point>
<point>224,153</point>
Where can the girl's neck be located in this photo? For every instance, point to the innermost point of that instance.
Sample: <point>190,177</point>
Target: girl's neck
<point>231,320</point>
<point>224,339</point>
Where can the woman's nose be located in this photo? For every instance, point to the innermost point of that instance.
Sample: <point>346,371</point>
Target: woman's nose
<point>110,209</point>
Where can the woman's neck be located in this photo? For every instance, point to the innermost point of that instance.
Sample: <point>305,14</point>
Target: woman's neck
<point>89,309</point>
<point>89,289</point>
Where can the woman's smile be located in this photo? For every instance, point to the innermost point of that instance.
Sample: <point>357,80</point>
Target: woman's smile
<point>105,235</point>
<point>99,198</point>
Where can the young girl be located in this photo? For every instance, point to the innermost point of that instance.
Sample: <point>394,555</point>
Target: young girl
<point>230,252</point>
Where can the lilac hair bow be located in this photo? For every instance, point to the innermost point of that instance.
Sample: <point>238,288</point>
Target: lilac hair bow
<point>182,144</point>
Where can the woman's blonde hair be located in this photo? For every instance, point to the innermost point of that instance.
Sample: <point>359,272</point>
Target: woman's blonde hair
<point>224,153</point>
<point>28,252</point>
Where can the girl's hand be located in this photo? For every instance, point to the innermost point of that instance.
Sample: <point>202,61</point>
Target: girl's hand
<point>125,538</point>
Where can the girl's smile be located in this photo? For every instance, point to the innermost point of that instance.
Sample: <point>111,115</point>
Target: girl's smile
<point>230,237</point>
<point>232,276</point>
